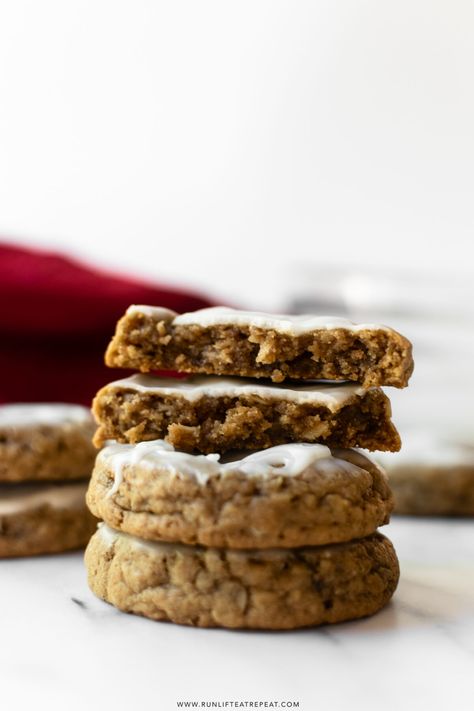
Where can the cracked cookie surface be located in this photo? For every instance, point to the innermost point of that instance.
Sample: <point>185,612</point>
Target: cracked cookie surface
<point>210,587</point>
<point>287,496</point>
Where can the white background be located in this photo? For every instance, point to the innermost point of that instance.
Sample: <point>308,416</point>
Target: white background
<point>218,143</point>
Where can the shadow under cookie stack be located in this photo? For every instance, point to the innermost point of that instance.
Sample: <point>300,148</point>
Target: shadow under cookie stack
<point>233,497</point>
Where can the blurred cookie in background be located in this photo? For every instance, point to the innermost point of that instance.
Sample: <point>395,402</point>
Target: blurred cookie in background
<point>43,518</point>
<point>431,476</point>
<point>46,458</point>
<point>45,441</point>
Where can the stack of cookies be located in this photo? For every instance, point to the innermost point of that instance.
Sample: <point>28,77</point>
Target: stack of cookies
<point>234,497</point>
<point>46,458</point>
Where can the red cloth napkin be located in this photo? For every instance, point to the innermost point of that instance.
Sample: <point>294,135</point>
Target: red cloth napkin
<point>56,319</point>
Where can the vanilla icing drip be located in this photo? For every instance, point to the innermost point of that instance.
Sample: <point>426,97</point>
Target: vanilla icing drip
<point>28,414</point>
<point>283,460</point>
<point>332,396</point>
<point>221,315</point>
<point>17,498</point>
<point>157,452</point>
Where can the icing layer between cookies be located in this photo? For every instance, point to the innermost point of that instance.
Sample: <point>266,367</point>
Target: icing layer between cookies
<point>28,414</point>
<point>221,315</point>
<point>331,396</point>
<point>282,460</point>
<point>17,498</point>
<point>111,535</point>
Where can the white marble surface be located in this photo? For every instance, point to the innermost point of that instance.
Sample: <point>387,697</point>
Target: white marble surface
<point>61,648</point>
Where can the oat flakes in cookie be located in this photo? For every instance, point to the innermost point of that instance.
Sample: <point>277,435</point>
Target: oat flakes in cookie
<point>286,496</point>
<point>216,414</point>
<point>224,341</point>
<point>273,589</point>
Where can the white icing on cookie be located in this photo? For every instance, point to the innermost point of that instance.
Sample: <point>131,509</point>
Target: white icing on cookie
<point>19,498</point>
<point>332,396</point>
<point>157,452</point>
<point>160,313</point>
<point>52,413</point>
<point>110,536</point>
<point>221,315</point>
<point>282,460</point>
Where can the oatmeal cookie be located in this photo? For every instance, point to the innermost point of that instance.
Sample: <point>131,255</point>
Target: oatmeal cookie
<point>206,414</point>
<point>43,518</point>
<point>44,442</point>
<point>223,341</point>
<point>432,476</point>
<point>277,589</point>
<point>286,496</point>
